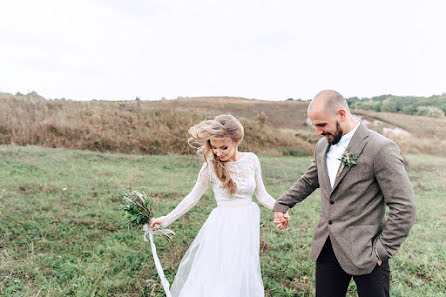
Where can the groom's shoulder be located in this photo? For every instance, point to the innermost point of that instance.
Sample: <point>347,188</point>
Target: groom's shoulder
<point>378,142</point>
<point>377,137</point>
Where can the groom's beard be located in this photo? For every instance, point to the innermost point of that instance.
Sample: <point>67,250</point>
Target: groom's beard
<point>337,136</point>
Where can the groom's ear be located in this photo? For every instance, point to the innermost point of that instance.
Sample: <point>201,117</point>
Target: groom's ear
<point>342,114</point>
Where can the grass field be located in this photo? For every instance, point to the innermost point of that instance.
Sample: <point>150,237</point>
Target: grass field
<point>60,232</point>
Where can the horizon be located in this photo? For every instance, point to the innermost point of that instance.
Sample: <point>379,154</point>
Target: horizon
<point>207,97</point>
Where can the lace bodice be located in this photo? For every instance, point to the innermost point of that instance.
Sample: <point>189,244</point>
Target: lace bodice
<point>246,173</point>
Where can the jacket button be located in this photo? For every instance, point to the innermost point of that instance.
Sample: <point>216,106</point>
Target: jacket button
<point>330,222</point>
<point>331,202</point>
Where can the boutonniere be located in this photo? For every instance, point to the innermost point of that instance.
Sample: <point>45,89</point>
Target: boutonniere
<point>347,159</point>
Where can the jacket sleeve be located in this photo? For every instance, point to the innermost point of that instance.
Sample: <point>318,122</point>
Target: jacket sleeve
<point>192,198</point>
<point>398,195</point>
<point>300,190</point>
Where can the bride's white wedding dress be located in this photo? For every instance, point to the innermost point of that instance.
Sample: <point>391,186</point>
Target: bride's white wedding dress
<point>223,260</point>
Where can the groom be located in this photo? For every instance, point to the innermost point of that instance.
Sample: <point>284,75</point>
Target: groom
<point>353,238</point>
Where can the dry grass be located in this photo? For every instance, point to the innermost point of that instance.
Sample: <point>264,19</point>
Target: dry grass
<point>156,127</point>
<point>160,127</point>
<point>280,114</point>
<point>419,126</point>
<point>427,135</point>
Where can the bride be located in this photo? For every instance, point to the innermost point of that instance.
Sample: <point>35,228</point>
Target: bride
<point>223,260</point>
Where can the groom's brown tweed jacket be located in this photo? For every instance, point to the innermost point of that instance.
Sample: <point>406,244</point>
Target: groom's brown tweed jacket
<point>353,211</point>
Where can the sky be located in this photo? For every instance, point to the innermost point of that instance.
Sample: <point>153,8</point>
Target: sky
<point>272,50</point>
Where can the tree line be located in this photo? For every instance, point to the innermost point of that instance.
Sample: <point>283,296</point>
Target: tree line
<point>433,106</point>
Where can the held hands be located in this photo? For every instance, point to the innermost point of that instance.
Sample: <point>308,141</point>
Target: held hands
<point>156,222</point>
<point>281,220</point>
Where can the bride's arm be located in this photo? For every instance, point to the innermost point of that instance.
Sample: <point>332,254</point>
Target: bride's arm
<point>261,193</point>
<point>191,199</point>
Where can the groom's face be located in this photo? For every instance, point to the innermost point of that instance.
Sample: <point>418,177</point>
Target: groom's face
<point>327,125</point>
<point>334,138</point>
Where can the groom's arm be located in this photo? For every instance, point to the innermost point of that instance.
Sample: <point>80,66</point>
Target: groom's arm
<point>398,196</point>
<point>301,189</point>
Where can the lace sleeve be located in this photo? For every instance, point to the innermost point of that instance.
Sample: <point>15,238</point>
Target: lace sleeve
<point>192,198</point>
<point>261,193</point>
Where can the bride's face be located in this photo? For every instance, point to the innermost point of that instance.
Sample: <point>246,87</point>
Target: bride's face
<point>224,149</point>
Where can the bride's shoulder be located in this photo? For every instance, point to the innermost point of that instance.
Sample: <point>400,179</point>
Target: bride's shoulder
<point>251,156</point>
<point>252,161</point>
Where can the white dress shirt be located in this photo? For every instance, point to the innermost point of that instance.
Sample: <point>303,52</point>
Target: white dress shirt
<point>335,152</point>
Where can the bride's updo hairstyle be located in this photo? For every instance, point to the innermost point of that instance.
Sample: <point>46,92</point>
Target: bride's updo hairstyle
<point>221,127</point>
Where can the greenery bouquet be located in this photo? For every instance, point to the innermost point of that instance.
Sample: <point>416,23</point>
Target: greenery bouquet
<point>138,211</point>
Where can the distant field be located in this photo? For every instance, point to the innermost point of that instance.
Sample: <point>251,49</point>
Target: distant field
<point>160,127</point>
<point>142,127</point>
<point>60,232</point>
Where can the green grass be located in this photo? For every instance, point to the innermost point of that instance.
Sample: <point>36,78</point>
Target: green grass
<point>60,232</point>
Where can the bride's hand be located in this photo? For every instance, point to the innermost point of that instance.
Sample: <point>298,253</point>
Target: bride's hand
<point>287,220</point>
<point>281,219</point>
<point>156,222</point>
<point>283,224</point>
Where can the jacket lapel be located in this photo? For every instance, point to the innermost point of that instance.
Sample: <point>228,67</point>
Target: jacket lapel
<point>324,164</point>
<point>356,146</point>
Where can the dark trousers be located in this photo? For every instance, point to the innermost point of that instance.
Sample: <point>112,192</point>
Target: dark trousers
<point>332,281</point>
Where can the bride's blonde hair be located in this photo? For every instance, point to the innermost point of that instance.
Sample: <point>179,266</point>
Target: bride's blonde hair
<point>221,127</point>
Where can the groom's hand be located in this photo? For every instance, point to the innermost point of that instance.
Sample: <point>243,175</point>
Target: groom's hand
<point>280,220</point>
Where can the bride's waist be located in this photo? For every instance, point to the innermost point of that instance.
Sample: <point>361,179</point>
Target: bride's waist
<point>234,203</point>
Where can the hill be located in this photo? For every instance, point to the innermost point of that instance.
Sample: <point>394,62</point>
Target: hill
<point>147,127</point>
<point>160,127</point>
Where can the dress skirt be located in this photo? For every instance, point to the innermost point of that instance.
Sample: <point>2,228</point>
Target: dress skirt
<point>223,260</point>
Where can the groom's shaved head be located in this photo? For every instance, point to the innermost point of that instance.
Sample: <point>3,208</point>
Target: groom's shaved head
<point>330,115</point>
<point>328,101</point>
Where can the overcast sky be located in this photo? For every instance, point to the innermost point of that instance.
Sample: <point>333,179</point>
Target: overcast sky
<point>260,49</point>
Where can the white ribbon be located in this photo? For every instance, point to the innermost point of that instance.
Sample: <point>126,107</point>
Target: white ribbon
<point>159,268</point>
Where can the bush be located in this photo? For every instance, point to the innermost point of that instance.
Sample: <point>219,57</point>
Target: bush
<point>389,106</point>
<point>430,111</point>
